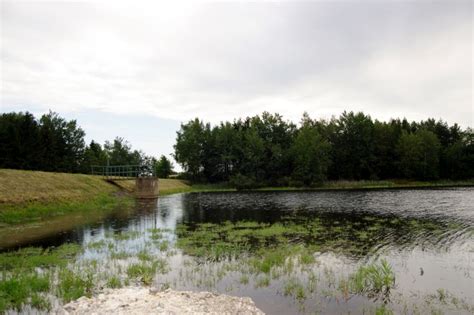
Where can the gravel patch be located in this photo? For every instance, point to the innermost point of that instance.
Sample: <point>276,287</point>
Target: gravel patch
<point>150,301</point>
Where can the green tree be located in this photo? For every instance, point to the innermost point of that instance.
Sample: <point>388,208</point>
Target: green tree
<point>62,143</point>
<point>163,167</point>
<point>226,144</point>
<point>119,152</point>
<point>19,141</point>
<point>311,155</point>
<point>419,155</point>
<point>94,155</point>
<point>189,147</point>
<point>386,137</point>
<point>460,157</point>
<point>353,151</point>
<point>252,152</point>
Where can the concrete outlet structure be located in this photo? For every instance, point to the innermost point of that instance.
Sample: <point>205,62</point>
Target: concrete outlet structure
<point>146,187</point>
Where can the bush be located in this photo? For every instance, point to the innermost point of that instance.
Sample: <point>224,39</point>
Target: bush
<point>296,183</point>
<point>242,182</point>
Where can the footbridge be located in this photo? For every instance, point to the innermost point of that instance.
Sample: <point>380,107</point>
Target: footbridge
<point>146,181</point>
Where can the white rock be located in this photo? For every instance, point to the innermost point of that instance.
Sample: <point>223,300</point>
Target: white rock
<point>145,301</point>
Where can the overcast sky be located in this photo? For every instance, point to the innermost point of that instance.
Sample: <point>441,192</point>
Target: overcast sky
<point>138,69</point>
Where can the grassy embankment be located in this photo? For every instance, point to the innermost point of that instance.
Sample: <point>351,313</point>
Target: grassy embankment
<point>27,196</point>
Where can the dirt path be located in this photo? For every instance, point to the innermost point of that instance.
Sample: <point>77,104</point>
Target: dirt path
<point>146,301</point>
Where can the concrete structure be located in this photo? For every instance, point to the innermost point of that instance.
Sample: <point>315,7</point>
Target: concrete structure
<point>146,187</point>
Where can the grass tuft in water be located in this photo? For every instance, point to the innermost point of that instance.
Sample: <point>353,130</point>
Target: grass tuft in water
<point>295,289</point>
<point>14,292</point>
<point>126,235</point>
<point>244,279</point>
<point>74,285</point>
<point>383,310</point>
<point>35,257</point>
<point>114,282</point>
<point>262,282</point>
<point>373,280</point>
<point>145,272</point>
<point>40,302</point>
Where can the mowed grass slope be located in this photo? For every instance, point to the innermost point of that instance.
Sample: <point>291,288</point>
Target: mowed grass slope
<point>27,196</point>
<point>18,187</point>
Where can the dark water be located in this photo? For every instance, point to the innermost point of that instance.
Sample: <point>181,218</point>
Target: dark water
<point>426,235</point>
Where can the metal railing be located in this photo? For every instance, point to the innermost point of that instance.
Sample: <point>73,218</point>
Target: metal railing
<point>122,172</point>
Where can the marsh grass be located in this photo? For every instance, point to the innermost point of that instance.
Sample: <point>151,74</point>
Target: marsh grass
<point>119,255</point>
<point>216,242</point>
<point>286,257</point>
<point>163,246</point>
<point>40,302</point>
<point>144,255</point>
<point>114,282</point>
<point>30,258</point>
<point>16,291</point>
<point>127,235</point>
<point>383,310</point>
<point>146,271</point>
<point>262,282</point>
<point>244,279</point>
<point>227,240</point>
<point>295,288</point>
<point>376,279</point>
<point>73,285</point>
<point>22,284</point>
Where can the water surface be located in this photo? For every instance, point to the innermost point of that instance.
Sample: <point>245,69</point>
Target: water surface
<point>426,235</point>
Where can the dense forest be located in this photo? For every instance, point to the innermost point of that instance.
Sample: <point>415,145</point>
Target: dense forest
<point>266,150</point>
<point>52,143</point>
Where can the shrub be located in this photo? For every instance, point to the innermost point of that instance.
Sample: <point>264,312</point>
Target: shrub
<point>243,182</point>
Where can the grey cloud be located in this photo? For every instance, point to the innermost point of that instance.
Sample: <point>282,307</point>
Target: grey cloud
<point>221,60</point>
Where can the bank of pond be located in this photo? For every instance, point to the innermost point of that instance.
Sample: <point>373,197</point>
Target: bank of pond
<point>331,252</point>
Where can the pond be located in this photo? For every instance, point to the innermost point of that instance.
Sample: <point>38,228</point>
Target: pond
<point>406,251</point>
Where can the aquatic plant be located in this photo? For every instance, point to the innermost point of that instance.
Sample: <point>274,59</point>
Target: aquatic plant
<point>114,282</point>
<point>126,235</point>
<point>244,279</point>
<point>141,271</point>
<point>373,279</point>
<point>145,272</point>
<point>16,291</point>
<point>263,281</point>
<point>36,257</point>
<point>73,285</point>
<point>40,302</point>
<point>143,255</point>
<point>383,310</point>
<point>120,255</point>
<point>294,288</point>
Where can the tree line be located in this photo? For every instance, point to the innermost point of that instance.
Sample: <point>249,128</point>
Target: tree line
<point>52,143</point>
<point>266,150</point>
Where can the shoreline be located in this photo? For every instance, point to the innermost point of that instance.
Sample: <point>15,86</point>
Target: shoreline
<point>34,196</point>
<point>356,185</point>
